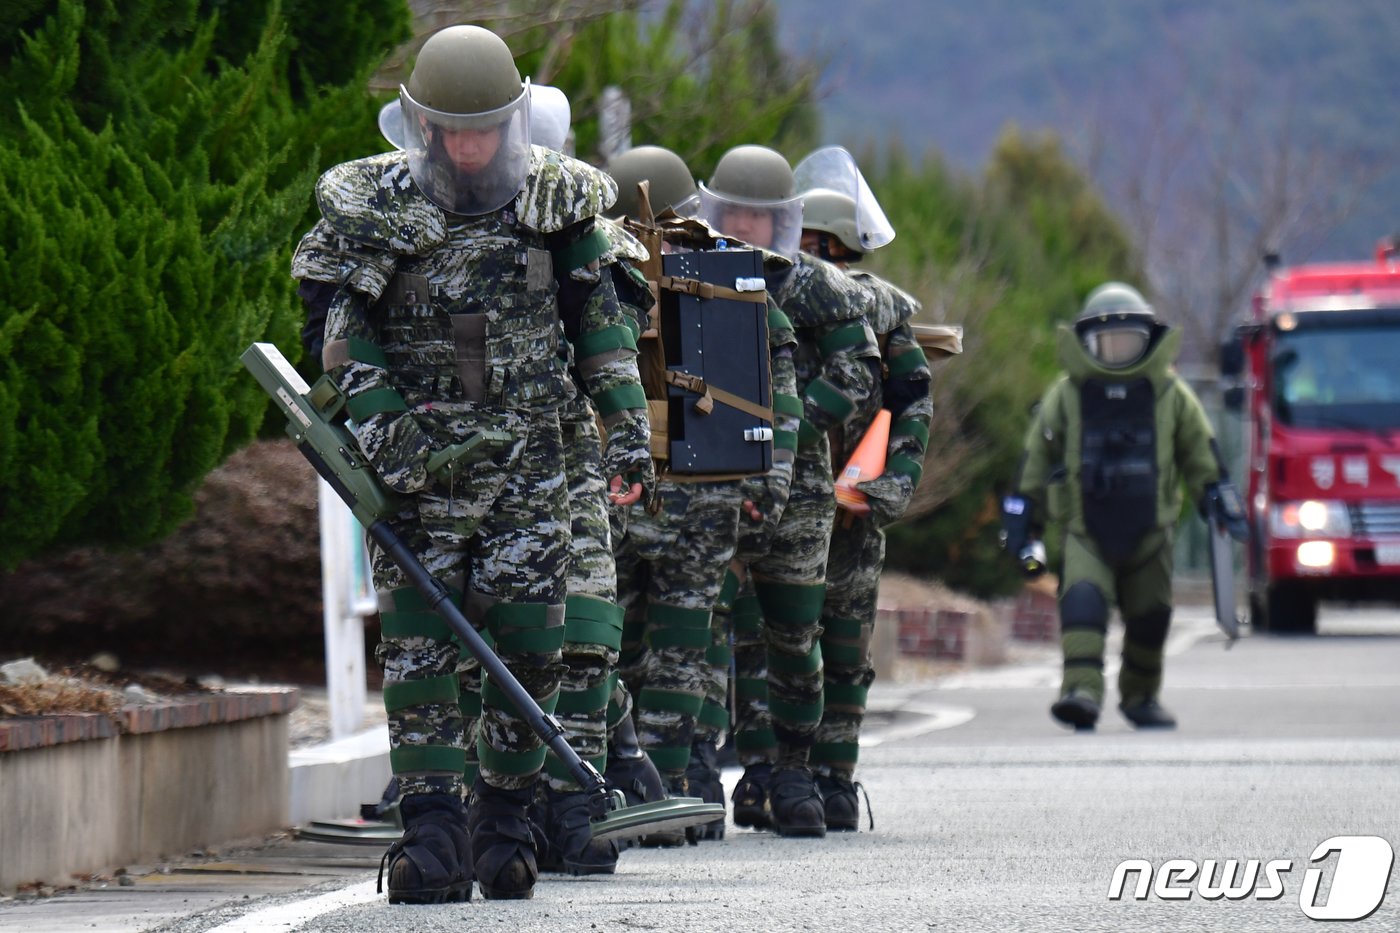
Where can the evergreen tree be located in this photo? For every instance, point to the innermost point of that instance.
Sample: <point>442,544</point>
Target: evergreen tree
<point>1012,257</point>
<point>150,193</point>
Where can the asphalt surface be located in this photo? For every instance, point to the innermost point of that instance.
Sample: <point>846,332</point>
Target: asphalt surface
<point>987,816</point>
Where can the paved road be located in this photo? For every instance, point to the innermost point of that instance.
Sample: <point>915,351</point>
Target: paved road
<point>987,816</point>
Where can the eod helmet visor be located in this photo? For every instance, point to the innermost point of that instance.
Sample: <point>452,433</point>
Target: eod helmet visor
<point>468,163</point>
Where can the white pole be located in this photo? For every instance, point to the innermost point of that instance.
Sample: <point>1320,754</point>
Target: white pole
<point>347,596</point>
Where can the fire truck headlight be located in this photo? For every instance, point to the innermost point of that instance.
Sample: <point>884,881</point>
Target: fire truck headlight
<point>1316,554</point>
<point>1310,518</point>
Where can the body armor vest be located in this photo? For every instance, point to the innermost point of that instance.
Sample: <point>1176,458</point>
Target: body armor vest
<point>1118,463</point>
<point>476,319</point>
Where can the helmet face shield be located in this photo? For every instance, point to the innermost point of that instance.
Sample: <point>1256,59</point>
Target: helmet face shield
<point>1118,344</point>
<point>550,117</point>
<point>834,169</point>
<point>391,123</point>
<point>772,225</point>
<point>468,163</point>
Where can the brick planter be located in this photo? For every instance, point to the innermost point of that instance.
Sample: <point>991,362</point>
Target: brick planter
<point>87,793</point>
<point>930,633</point>
<point>1035,616</point>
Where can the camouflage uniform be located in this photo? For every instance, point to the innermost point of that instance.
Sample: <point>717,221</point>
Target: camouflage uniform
<point>671,562</point>
<point>857,552</point>
<point>836,364</point>
<point>444,325</point>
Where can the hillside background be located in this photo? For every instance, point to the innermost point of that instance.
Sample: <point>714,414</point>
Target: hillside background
<point>1278,116</point>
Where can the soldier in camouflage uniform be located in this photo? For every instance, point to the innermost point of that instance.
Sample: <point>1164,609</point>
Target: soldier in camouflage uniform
<point>842,228</point>
<point>671,558</point>
<point>752,197</point>
<point>453,263</point>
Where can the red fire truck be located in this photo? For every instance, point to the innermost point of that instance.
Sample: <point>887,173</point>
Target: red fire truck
<point>1320,362</point>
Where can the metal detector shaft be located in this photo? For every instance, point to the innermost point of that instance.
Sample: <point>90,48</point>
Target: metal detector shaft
<point>543,724</point>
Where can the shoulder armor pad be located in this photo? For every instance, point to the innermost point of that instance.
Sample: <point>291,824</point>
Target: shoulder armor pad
<point>375,201</point>
<point>817,293</point>
<point>560,191</point>
<point>892,305</point>
<point>621,244</point>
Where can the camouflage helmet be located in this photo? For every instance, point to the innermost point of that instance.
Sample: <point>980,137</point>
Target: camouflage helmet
<point>833,213</point>
<point>465,70</point>
<point>753,173</point>
<point>1116,325</point>
<point>670,183</point>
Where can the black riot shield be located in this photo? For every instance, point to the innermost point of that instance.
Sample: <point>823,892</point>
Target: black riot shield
<point>1222,579</point>
<point>714,331</point>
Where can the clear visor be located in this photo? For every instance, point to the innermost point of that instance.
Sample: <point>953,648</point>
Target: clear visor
<point>690,207</point>
<point>468,163</point>
<point>772,225</point>
<point>1118,346</point>
<point>834,168</point>
<point>391,123</point>
<point>550,117</point>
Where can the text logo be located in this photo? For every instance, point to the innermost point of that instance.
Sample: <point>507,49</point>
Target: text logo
<point>1357,878</point>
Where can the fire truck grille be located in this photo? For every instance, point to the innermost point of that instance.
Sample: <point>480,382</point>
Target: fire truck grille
<point>1375,519</point>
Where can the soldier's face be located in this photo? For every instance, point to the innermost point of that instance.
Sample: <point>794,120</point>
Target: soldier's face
<point>471,150</point>
<point>750,224</point>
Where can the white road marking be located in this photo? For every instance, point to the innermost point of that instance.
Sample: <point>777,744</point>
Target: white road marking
<point>294,913</point>
<point>932,719</point>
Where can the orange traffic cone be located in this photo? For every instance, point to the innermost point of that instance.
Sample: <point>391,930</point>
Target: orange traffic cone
<point>866,463</point>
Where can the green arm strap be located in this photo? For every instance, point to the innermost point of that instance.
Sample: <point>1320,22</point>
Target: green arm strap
<point>583,251</point>
<point>374,402</point>
<point>620,398</point>
<point>616,337</point>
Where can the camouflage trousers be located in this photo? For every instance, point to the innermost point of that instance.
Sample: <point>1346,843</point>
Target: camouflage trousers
<point>592,618</point>
<point>857,556</point>
<point>777,627</point>
<point>498,538</point>
<point>671,561</point>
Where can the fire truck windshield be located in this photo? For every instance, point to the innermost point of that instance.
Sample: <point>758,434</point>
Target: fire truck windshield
<point>1338,377</point>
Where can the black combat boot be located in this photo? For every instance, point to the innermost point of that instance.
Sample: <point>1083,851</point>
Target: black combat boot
<point>431,863</point>
<point>841,804</point>
<point>631,771</point>
<point>1077,710</point>
<point>702,775</point>
<point>750,797</point>
<point>503,845</point>
<point>796,803</point>
<point>1147,714</point>
<point>570,846</point>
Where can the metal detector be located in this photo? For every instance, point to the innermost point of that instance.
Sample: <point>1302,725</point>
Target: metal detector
<point>316,423</point>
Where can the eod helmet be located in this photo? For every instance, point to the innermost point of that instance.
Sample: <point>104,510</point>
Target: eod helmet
<point>466,121</point>
<point>1116,325</point>
<point>669,182</point>
<point>837,202</point>
<point>751,187</point>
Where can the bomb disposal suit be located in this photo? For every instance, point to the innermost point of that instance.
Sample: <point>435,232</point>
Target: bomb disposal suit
<point>1106,455</point>
<point>454,262</point>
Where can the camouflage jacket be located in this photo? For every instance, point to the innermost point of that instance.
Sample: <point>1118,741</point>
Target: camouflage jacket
<point>904,387</point>
<point>838,355</point>
<point>432,306</point>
